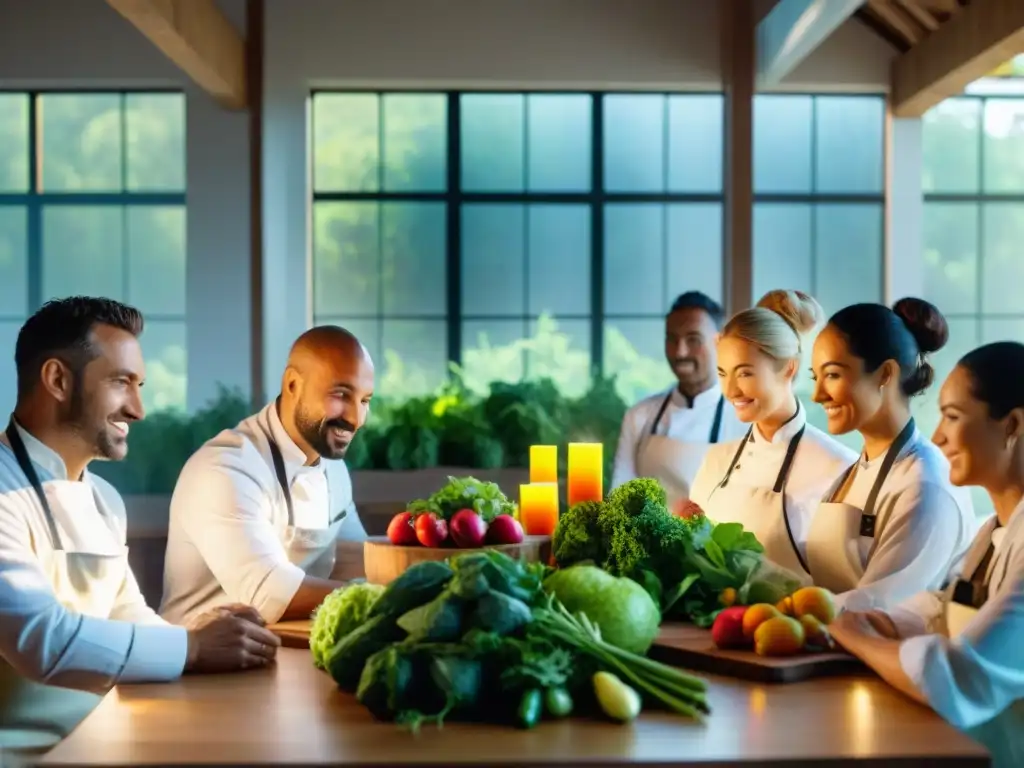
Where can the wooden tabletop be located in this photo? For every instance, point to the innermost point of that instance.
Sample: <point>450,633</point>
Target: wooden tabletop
<point>292,714</point>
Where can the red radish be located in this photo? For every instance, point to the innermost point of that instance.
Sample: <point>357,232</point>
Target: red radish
<point>504,529</point>
<point>431,530</point>
<point>467,529</point>
<point>401,532</point>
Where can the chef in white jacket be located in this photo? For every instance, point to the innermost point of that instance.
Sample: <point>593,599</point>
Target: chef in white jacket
<point>666,435</point>
<point>772,479</point>
<point>960,649</point>
<point>258,510</point>
<point>892,524</point>
<point>73,622</point>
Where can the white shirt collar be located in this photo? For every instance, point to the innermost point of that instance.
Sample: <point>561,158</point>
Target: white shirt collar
<point>707,399</point>
<point>293,456</point>
<point>786,432</point>
<point>44,456</point>
<point>866,463</point>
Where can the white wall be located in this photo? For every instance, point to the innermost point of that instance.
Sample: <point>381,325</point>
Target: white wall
<point>83,44</point>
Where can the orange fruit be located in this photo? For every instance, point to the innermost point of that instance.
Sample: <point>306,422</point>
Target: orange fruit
<point>815,601</point>
<point>780,636</point>
<point>756,615</point>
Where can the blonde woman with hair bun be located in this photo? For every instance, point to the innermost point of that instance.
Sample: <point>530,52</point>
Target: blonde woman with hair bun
<point>773,478</point>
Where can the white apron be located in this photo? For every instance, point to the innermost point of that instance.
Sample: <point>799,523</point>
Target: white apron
<point>762,511</point>
<point>842,538</point>
<point>86,577</point>
<point>674,463</point>
<point>312,549</point>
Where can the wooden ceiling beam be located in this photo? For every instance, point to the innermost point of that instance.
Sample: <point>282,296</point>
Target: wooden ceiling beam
<point>792,30</point>
<point>921,15</point>
<point>196,36</point>
<point>897,21</point>
<point>971,44</point>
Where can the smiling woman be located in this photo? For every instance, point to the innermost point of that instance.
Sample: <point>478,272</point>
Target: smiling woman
<point>772,479</point>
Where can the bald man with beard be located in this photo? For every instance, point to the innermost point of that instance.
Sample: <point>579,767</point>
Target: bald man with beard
<point>257,510</point>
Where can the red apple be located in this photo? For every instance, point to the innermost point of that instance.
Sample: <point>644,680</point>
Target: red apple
<point>504,529</point>
<point>727,631</point>
<point>467,529</point>
<point>431,530</point>
<point>401,531</point>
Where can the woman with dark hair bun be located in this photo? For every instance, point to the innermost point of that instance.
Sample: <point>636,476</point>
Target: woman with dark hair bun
<point>960,650</point>
<point>892,524</point>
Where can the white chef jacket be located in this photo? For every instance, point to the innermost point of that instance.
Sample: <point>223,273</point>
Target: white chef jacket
<point>228,514</point>
<point>977,677</point>
<point>926,525</point>
<point>818,460</point>
<point>41,639</point>
<point>680,422</point>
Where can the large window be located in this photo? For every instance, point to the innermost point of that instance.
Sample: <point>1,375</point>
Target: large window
<point>819,194</point>
<point>514,235</point>
<point>92,201</point>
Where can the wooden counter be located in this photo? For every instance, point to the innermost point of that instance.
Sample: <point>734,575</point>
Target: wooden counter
<point>293,714</point>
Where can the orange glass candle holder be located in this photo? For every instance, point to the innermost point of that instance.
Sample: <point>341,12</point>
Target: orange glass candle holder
<point>543,463</point>
<point>538,508</point>
<point>586,473</point>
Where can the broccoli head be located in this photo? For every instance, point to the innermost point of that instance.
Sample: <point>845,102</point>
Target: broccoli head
<point>578,535</point>
<point>639,495</point>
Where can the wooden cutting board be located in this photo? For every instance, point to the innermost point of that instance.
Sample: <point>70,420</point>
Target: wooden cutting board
<point>685,645</point>
<point>384,562</point>
<point>293,634</point>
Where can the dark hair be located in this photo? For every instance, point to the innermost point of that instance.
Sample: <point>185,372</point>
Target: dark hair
<point>997,374</point>
<point>62,328</point>
<point>908,332</point>
<point>698,300</point>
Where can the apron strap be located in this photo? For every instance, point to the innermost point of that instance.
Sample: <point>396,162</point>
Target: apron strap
<point>653,429</point>
<point>736,458</point>
<point>26,466</point>
<point>716,425</point>
<point>660,413</point>
<point>787,463</point>
<point>282,479</point>
<point>890,458</point>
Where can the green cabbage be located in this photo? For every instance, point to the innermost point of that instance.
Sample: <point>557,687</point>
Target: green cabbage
<point>342,611</point>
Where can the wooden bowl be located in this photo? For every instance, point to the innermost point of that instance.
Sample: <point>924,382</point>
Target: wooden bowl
<point>384,561</point>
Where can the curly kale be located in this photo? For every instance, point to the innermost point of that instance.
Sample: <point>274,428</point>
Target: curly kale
<point>640,495</point>
<point>578,536</point>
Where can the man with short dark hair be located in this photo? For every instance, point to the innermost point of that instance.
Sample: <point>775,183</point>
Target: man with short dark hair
<point>257,511</point>
<point>73,622</point>
<point>666,435</point>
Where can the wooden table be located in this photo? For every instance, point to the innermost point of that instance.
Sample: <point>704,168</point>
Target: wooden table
<point>292,714</point>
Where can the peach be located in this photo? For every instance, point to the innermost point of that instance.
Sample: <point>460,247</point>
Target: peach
<point>727,631</point>
<point>779,636</point>
<point>785,606</point>
<point>756,614</point>
<point>816,634</point>
<point>815,601</point>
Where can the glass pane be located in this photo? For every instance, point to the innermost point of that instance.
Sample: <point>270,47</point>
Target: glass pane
<point>415,142</point>
<point>493,245</point>
<point>782,143</point>
<point>696,131</point>
<point>414,264</point>
<point>163,348</point>
<point>1002,329</point>
<point>492,142</point>
<point>1004,145</point>
<point>1002,266</point>
<point>694,250</point>
<point>848,147</point>
<point>848,256</point>
<point>14,142</point>
<point>346,142</point>
<point>492,350</point>
<point>782,248</point>
<point>951,256</point>
<point>13,262</point>
<point>634,352</point>
<point>346,259</point>
<point>156,258</point>
<point>155,127</point>
<point>8,373</point>
<point>558,140</point>
<point>416,355</point>
<point>81,142</point>
<point>368,332</point>
<point>634,143</point>
<point>560,350</point>
<point>83,251</point>
<point>634,259</point>
<point>558,265</point>
<point>951,146</point>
